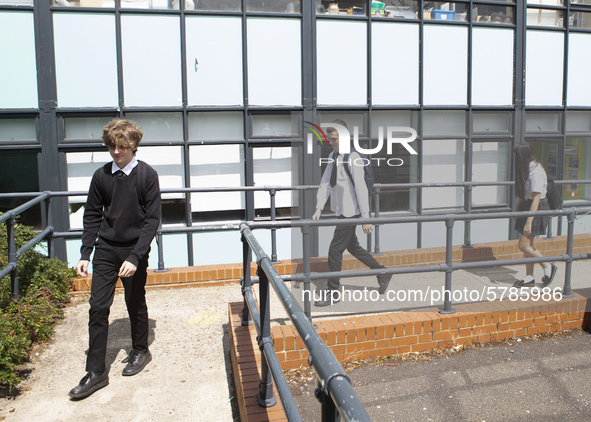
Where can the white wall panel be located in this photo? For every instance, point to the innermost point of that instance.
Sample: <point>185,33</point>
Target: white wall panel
<point>341,49</point>
<point>214,61</point>
<point>274,62</point>
<point>86,63</point>
<point>445,74</point>
<point>492,66</point>
<point>395,65</point>
<point>151,60</point>
<point>579,63</point>
<point>544,64</point>
<point>18,81</point>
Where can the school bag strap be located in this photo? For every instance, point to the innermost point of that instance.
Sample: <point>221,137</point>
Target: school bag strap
<point>554,195</point>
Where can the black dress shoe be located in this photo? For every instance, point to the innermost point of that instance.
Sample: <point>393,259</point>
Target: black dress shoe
<point>326,298</point>
<point>384,281</point>
<point>91,382</point>
<point>547,280</point>
<point>136,362</point>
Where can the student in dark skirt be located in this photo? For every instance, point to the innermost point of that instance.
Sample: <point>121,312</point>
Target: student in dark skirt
<point>531,183</point>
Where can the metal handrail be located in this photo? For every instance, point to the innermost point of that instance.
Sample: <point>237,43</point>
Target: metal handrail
<point>332,379</point>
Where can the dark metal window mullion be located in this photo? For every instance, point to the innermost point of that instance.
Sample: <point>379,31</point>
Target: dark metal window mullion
<point>419,203</point>
<point>119,43</point>
<point>247,126</point>
<point>186,153</point>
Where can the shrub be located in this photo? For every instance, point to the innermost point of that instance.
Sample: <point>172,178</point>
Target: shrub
<point>44,284</point>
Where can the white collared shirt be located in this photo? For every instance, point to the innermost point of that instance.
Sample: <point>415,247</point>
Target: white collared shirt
<point>127,169</point>
<point>346,199</point>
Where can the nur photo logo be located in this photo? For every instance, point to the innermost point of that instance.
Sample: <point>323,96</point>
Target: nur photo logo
<point>393,135</point>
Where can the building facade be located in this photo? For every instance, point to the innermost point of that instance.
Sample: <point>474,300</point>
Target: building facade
<point>224,91</point>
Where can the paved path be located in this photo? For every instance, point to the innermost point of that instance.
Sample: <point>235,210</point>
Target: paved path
<point>190,377</point>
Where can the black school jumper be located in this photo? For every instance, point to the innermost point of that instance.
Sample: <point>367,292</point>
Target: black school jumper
<point>119,230</point>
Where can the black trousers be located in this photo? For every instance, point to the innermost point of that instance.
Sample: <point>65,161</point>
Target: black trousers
<point>344,238</point>
<point>105,267</point>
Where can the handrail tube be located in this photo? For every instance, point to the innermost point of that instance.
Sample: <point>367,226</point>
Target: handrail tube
<point>324,362</point>
<point>413,218</point>
<point>34,241</point>
<point>11,266</point>
<point>16,211</point>
<point>431,268</point>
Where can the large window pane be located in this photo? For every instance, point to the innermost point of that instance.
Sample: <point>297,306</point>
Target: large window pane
<point>204,126</point>
<point>155,4</point>
<point>578,121</point>
<point>78,84</point>
<point>159,126</point>
<point>17,130</point>
<point>19,173</point>
<point>445,72</point>
<point>577,166</point>
<point>348,8</point>
<point>492,66</point>
<point>579,63</point>
<point>221,5</point>
<point>490,163</point>
<point>401,86</point>
<point>542,122</point>
<point>274,62</point>
<point>85,127</point>
<point>214,78</point>
<point>443,162</point>
<point>340,80</point>
<point>492,14</point>
<point>544,68</point>
<point>84,3</point>
<point>217,166</point>
<point>275,125</point>
<point>491,122</point>
<point>273,167</point>
<point>18,81</point>
<point>444,123</point>
<point>151,60</point>
<point>544,17</point>
<point>277,6</point>
<point>445,11</point>
<point>80,166</point>
<point>548,154</point>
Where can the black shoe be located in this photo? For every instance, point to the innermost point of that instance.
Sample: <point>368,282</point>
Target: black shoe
<point>136,362</point>
<point>384,281</point>
<point>547,280</point>
<point>326,298</point>
<point>522,283</point>
<point>91,382</point>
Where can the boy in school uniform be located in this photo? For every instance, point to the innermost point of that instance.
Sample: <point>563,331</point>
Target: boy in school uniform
<point>121,218</point>
<point>349,198</point>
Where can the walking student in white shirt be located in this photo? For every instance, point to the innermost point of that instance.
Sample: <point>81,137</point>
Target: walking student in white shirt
<point>348,199</point>
<point>531,185</point>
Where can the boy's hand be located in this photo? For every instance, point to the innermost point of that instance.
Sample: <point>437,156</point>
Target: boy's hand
<point>82,267</point>
<point>317,213</point>
<point>127,269</point>
<point>367,228</point>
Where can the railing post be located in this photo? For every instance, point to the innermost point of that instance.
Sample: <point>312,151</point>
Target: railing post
<point>266,397</point>
<point>272,192</point>
<point>376,199</point>
<point>566,292</point>
<point>549,234</point>
<point>159,242</point>
<point>246,281</point>
<point>12,256</point>
<point>306,257</point>
<point>467,223</point>
<point>329,411</point>
<point>49,222</point>
<point>447,309</point>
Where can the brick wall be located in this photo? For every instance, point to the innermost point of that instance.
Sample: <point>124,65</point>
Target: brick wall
<point>381,335</point>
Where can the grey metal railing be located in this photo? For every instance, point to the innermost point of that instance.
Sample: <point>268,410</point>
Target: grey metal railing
<point>334,386</point>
